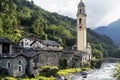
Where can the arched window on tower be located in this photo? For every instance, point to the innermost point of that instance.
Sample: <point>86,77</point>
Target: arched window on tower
<point>80,11</point>
<point>80,21</point>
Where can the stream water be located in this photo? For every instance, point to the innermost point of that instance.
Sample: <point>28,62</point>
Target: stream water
<point>104,73</point>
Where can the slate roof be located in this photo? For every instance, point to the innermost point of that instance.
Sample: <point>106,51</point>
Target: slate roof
<point>27,55</point>
<point>49,42</point>
<point>46,42</point>
<point>16,46</point>
<point>3,40</point>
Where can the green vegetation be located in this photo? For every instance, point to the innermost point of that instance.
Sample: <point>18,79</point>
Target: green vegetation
<point>102,46</point>
<point>21,18</point>
<point>117,72</point>
<point>7,78</point>
<point>116,53</point>
<point>39,78</point>
<point>64,63</point>
<point>68,71</point>
<point>94,63</point>
<point>36,78</point>
<point>47,73</point>
<point>86,65</point>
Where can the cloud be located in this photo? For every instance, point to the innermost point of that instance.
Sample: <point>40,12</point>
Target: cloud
<point>100,12</point>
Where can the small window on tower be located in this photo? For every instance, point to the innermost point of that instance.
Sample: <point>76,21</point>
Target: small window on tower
<point>80,21</point>
<point>80,11</point>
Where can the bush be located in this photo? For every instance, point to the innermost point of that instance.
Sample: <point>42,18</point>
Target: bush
<point>64,63</point>
<point>117,72</point>
<point>93,63</point>
<point>9,78</point>
<point>86,65</point>
<point>48,71</point>
<point>67,71</point>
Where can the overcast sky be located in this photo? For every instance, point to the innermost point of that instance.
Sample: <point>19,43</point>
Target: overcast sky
<point>99,12</point>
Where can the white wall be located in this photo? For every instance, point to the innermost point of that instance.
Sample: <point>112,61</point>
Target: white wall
<point>26,42</point>
<point>37,44</point>
<point>11,48</point>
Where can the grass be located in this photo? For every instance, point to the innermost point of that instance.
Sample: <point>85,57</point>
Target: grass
<point>68,71</point>
<point>50,67</point>
<point>40,78</point>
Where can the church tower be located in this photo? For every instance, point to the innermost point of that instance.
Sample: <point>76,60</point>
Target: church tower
<point>81,27</point>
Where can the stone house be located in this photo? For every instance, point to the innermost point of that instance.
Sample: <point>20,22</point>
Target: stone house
<point>37,44</point>
<point>45,45</point>
<point>17,64</point>
<point>25,42</point>
<point>50,45</point>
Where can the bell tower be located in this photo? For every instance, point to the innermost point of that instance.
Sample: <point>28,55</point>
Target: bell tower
<point>81,27</point>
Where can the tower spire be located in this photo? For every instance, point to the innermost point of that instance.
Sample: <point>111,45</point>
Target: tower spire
<point>81,0</point>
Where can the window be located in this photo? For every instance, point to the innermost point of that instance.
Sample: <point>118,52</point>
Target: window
<point>20,62</point>
<point>80,10</point>
<point>20,68</point>
<point>35,61</point>
<point>26,43</point>
<point>5,48</point>
<point>8,64</point>
<point>80,27</point>
<point>80,21</point>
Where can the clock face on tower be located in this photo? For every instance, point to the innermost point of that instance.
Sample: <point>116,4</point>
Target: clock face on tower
<point>80,27</point>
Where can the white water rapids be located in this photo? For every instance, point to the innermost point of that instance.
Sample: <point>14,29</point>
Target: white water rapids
<point>105,73</point>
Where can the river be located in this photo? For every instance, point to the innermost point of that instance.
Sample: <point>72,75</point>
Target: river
<point>104,73</point>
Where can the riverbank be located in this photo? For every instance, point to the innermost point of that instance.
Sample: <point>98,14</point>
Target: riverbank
<point>104,73</point>
<point>51,71</point>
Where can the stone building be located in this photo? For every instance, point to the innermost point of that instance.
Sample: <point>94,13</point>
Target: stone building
<point>17,64</point>
<point>45,45</point>
<point>82,44</point>
<point>37,44</point>
<point>25,42</point>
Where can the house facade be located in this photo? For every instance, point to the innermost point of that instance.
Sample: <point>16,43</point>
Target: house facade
<point>26,42</point>
<point>50,45</point>
<point>17,64</point>
<point>37,44</point>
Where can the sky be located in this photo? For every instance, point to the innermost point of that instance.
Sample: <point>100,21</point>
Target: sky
<point>99,12</point>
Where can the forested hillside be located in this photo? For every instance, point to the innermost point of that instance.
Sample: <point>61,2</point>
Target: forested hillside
<point>21,18</point>
<point>102,46</point>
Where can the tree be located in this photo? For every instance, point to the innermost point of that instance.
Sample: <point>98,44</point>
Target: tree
<point>97,54</point>
<point>116,53</point>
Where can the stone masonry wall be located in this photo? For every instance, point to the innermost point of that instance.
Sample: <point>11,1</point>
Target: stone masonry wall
<point>14,66</point>
<point>49,58</point>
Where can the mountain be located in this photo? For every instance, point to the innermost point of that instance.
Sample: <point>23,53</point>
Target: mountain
<point>112,31</point>
<point>100,43</point>
<point>21,18</point>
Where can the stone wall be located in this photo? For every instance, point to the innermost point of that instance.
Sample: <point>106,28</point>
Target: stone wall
<point>50,58</point>
<point>14,66</point>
